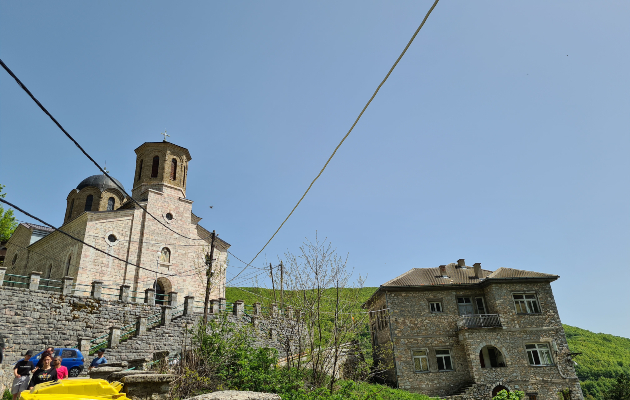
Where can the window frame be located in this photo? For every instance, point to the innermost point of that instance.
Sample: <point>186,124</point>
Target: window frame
<point>539,348</point>
<point>443,357</point>
<point>155,167</point>
<point>89,202</point>
<point>420,357</point>
<point>525,303</point>
<point>174,169</point>
<point>111,203</point>
<point>439,303</point>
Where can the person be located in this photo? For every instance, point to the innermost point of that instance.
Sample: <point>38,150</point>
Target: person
<point>22,372</point>
<point>44,374</point>
<point>99,360</point>
<point>48,351</point>
<point>62,372</point>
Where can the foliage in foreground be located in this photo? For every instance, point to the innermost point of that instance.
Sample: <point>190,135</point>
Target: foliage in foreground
<point>223,357</point>
<point>505,395</point>
<point>7,395</point>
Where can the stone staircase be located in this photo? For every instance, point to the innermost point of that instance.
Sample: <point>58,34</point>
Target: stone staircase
<point>161,338</point>
<point>470,391</point>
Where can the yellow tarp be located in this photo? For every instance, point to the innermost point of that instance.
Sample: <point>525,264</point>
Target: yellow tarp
<point>76,389</point>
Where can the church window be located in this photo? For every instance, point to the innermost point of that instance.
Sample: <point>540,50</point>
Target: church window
<point>110,204</point>
<point>112,238</point>
<point>88,203</point>
<point>68,265</point>
<point>140,170</point>
<point>70,209</point>
<point>184,176</point>
<point>155,167</point>
<point>49,272</point>
<point>165,255</point>
<point>14,259</point>
<point>173,169</point>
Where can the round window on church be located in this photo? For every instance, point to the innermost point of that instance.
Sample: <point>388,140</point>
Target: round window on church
<point>112,238</point>
<point>169,216</point>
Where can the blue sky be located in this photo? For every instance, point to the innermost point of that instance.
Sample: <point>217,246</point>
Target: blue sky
<point>501,137</point>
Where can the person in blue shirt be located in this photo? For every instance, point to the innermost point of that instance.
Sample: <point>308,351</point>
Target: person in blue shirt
<point>99,360</point>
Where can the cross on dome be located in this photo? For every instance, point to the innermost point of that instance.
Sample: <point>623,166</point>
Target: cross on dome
<point>165,135</point>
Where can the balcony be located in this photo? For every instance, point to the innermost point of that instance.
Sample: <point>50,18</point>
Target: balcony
<point>473,321</point>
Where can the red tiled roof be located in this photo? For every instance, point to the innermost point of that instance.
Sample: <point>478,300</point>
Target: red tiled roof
<point>458,276</point>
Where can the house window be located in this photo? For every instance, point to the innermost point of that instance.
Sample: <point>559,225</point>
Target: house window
<point>155,167</point>
<point>88,203</point>
<point>165,255</point>
<point>435,306</point>
<point>465,306</point>
<point>539,354</point>
<point>526,303</point>
<point>173,169</point>
<point>444,361</point>
<point>420,360</point>
<point>110,204</point>
<point>140,170</point>
<point>481,306</point>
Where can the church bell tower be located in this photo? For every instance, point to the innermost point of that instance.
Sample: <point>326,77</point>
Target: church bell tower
<point>160,166</point>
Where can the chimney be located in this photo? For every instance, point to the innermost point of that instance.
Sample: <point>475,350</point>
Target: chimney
<point>443,270</point>
<point>477,267</point>
<point>461,263</point>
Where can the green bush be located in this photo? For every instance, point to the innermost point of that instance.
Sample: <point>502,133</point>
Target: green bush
<point>505,395</point>
<point>7,395</point>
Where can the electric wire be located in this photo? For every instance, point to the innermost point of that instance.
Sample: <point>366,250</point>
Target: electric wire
<point>83,151</point>
<point>78,240</point>
<point>347,134</point>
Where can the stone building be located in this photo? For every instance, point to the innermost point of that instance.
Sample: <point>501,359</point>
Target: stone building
<point>467,333</point>
<point>102,215</point>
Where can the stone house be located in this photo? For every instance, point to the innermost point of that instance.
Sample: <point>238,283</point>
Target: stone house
<point>102,215</point>
<point>466,333</point>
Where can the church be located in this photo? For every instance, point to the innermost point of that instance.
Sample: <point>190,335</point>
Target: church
<point>148,255</point>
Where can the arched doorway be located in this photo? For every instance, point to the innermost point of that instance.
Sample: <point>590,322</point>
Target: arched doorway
<point>162,288</point>
<point>499,388</point>
<point>491,357</point>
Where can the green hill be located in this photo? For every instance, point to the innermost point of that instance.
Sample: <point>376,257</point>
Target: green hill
<point>603,356</point>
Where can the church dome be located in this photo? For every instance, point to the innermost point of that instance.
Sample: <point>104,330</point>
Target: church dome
<point>100,181</point>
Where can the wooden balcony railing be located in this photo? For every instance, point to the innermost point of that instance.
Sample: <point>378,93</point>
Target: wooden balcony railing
<point>479,321</point>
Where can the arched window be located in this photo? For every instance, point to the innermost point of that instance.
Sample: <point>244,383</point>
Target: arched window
<point>70,209</point>
<point>184,176</point>
<point>49,271</point>
<point>140,170</point>
<point>155,167</point>
<point>165,255</point>
<point>173,169</point>
<point>88,203</point>
<point>110,204</point>
<point>491,357</point>
<point>68,263</point>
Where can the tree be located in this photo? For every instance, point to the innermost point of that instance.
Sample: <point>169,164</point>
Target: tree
<point>8,223</point>
<point>505,395</point>
<point>621,389</point>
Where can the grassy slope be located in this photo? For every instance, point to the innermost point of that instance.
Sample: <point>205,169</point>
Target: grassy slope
<point>603,356</point>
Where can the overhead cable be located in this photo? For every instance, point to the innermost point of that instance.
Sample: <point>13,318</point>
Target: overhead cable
<point>347,134</point>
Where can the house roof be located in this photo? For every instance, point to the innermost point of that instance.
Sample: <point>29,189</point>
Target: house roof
<point>458,276</point>
<point>431,278</point>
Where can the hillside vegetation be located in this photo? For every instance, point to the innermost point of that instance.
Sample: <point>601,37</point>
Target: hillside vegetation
<point>603,358</point>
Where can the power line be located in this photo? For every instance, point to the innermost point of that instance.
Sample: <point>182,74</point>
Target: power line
<point>79,240</point>
<point>84,152</point>
<point>347,134</point>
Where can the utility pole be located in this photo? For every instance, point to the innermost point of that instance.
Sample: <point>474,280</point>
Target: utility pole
<point>281,285</point>
<point>273,286</point>
<point>209,273</point>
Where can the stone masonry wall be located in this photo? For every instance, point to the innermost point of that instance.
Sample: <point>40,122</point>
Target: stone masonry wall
<point>415,327</point>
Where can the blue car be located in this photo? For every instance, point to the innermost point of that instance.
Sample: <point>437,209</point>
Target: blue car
<point>71,359</point>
